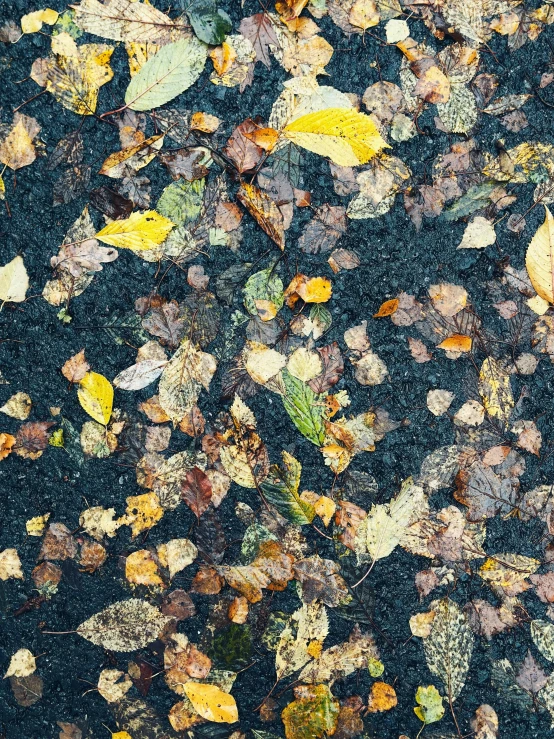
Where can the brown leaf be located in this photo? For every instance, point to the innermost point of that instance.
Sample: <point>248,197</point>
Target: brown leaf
<point>271,569</point>
<point>262,208</point>
<point>419,351</point>
<point>327,226</point>
<point>320,580</point>
<point>544,586</point>
<point>196,491</point>
<point>241,150</point>
<point>76,367</point>
<point>167,323</point>
<point>333,367</point>
<point>32,439</point>
<point>207,581</point>
<point>343,259</point>
<point>531,677</point>
<point>259,30</point>
<point>58,543</point>
<point>27,690</point>
<point>186,163</point>
<point>179,605</point>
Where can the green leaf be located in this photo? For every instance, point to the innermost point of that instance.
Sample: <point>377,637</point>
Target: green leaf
<point>231,648</point>
<point>305,408</point>
<point>170,72</point>
<point>263,285</point>
<point>280,488</point>
<point>313,715</point>
<point>209,24</point>
<point>475,198</point>
<point>430,708</point>
<point>181,201</point>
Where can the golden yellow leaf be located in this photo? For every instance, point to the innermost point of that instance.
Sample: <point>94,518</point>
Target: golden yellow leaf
<point>121,735</point>
<point>17,149</point>
<point>7,441</point>
<point>347,137</point>
<point>143,512</point>
<point>96,397</point>
<point>315,290</point>
<point>382,697</point>
<point>212,703</point>
<point>75,78</point>
<point>139,231</point>
<point>141,569</point>
<point>265,138</point>
<point>456,343</point>
<point>35,526</point>
<point>539,259</point>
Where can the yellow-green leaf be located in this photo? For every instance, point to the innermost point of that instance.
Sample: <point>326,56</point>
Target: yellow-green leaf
<point>430,708</point>
<point>212,703</point>
<point>138,232</point>
<point>539,259</point>
<point>96,396</point>
<point>347,137</point>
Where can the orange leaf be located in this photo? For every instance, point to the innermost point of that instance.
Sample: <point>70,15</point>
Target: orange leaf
<point>387,308</point>
<point>456,343</point>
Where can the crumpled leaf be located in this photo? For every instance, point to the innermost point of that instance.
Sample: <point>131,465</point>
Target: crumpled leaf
<point>271,569</point>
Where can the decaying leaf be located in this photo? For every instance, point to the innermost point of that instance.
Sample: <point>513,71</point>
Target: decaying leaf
<point>124,626</point>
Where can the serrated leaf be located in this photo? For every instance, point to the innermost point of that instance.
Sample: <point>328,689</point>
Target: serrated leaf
<point>124,626</point>
<point>347,137</point>
<point>167,74</point>
<point>14,281</point>
<point>280,489</point>
<point>306,409</point>
<point>121,20</point>
<point>212,703</point>
<point>449,646</point>
<point>539,259</point>
<point>312,715</point>
<point>386,523</point>
<point>95,394</point>
<point>209,23</point>
<point>181,201</point>
<point>183,378</point>
<point>138,232</point>
<point>542,633</point>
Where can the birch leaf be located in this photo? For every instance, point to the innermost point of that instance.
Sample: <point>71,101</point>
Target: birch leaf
<point>138,232</point>
<point>449,646</point>
<point>140,375</point>
<point>381,532</point>
<point>280,489</point>
<point>121,20</point>
<point>124,626</point>
<point>170,72</point>
<point>14,281</point>
<point>542,633</point>
<point>183,378</point>
<point>347,137</point>
<point>539,259</point>
<point>212,703</point>
<point>95,394</point>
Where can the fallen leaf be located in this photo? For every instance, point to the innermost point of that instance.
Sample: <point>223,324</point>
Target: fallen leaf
<point>14,281</point>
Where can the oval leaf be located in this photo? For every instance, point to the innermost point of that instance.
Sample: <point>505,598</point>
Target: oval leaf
<point>212,703</point>
<point>96,397</point>
<point>138,232</point>
<point>124,626</point>
<point>539,259</point>
<point>170,72</point>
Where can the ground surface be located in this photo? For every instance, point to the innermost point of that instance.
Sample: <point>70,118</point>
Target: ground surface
<point>34,345</point>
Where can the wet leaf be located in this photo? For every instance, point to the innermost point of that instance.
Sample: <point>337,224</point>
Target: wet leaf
<point>124,626</point>
<point>139,231</point>
<point>95,395</point>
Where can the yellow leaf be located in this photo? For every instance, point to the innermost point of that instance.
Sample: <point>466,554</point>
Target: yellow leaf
<point>96,397</point>
<point>382,697</point>
<point>141,569</point>
<point>212,703</point>
<point>14,281</point>
<point>32,22</point>
<point>388,308</point>
<point>17,149</point>
<point>364,14</point>
<point>139,231</point>
<point>347,137</point>
<point>143,512</point>
<point>539,259</point>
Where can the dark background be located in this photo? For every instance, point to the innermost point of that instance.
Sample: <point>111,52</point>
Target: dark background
<point>35,344</point>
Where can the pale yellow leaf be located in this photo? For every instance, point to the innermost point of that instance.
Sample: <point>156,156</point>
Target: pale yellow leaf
<point>539,259</point>
<point>14,281</point>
